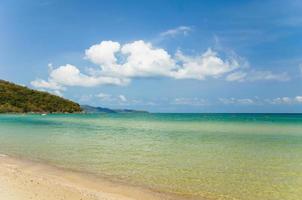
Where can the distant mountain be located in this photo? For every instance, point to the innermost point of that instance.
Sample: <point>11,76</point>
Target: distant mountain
<point>130,111</point>
<point>19,99</point>
<point>92,109</point>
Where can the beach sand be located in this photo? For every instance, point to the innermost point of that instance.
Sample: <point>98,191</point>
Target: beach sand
<point>24,180</point>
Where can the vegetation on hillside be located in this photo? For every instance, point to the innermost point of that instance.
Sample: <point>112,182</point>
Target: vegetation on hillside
<point>18,99</point>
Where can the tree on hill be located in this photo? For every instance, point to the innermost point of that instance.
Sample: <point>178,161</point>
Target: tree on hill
<point>18,99</point>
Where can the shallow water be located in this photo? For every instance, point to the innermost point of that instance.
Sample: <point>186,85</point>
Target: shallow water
<point>216,156</point>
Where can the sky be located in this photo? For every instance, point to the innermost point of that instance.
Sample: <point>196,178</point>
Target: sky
<point>159,55</point>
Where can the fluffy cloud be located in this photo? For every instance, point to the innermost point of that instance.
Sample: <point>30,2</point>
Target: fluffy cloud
<point>205,65</point>
<point>69,75</point>
<point>103,53</point>
<point>143,60</point>
<point>139,59</point>
<point>39,83</point>
<point>118,64</point>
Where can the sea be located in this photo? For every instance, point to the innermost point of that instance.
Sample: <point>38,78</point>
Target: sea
<point>198,156</point>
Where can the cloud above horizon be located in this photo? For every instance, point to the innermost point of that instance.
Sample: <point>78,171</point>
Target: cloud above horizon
<point>285,100</point>
<point>190,101</point>
<point>117,100</point>
<point>258,101</point>
<point>119,63</point>
<point>236,101</point>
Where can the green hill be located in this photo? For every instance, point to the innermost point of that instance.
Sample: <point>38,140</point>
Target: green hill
<point>18,99</point>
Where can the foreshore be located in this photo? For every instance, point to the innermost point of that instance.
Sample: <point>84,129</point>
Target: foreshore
<point>22,180</point>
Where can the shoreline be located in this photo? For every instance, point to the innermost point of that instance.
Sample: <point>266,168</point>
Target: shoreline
<point>24,179</point>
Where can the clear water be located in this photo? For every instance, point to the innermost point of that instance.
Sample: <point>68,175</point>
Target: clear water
<point>212,156</point>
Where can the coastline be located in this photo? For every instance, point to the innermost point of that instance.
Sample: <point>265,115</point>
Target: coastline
<point>23,179</point>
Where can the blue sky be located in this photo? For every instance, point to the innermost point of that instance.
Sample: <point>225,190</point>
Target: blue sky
<point>162,56</point>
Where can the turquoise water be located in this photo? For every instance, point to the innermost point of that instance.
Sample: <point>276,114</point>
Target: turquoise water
<point>212,156</point>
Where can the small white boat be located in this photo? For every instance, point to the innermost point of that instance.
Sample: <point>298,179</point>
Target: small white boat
<point>43,114</point>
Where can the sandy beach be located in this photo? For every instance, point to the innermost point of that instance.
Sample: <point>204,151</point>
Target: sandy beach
<point>23,180</point>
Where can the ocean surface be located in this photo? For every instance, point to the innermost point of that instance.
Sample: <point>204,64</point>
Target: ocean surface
<point>212,156</point>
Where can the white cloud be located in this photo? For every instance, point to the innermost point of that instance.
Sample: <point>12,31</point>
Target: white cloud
<point>258,101</point>
<point>57,92</point>
<point>122,98</point>
<point>140,59</point>
<point>144,60</point>
<point>245,101</point>
<point>115,99</point>
<point>254,75</point>
<point>207,64</point>
<point>298,99</point>
<point>281,100</point>
<point>118,64</point>
<point>240,101</point>
<point>236,76</point>
<point>110,99</point>
<point>104,97</point>
<point>268,75</point>
<point>70,75</point>
<point>190,101</point>
<point>184,30</point>
<point>39,83</point>
<point>103,53</point>
<point>285,100</point>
